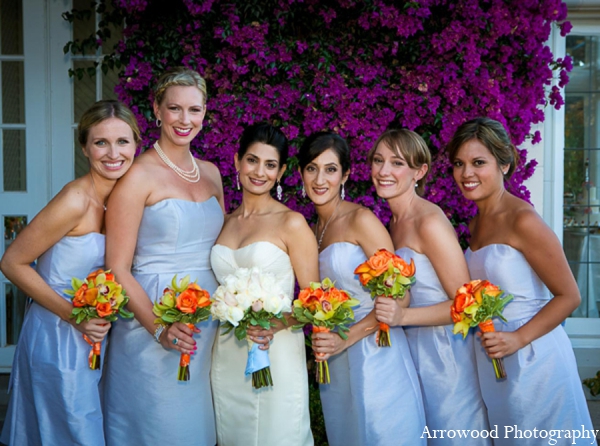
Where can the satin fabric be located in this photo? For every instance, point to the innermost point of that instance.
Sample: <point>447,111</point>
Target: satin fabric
<point>374,397</point>
<point>144,403</point>
<point>55,398</point>
<point>445,362</point>
<point>270,416</point>
<point>542,389</point>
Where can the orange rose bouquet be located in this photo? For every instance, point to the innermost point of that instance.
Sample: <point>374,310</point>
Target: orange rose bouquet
<point>475,304</point>
<point>183,302</point>
<point>97,296</point>
<point>386,274</point>
<point>326,308</point>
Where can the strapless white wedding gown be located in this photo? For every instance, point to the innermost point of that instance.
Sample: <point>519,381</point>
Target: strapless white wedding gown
<point>275,415</point>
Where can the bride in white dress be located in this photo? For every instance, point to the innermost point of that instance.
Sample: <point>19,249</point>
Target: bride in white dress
<point>263,232</point>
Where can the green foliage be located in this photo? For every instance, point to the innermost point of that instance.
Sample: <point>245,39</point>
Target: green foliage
<point>593,384</point>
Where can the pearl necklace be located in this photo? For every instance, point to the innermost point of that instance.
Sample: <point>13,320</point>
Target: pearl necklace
<point>320,239</point>
<point>191,176</point>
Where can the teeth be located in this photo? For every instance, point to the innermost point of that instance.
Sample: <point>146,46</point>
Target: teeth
<point>386,183</point>
<point>183,130</point>
<point>470,185</point>
<point>117,164</point>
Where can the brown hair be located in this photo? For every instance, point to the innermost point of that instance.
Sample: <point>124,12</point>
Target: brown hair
<point>178,77</point>
<point>492,135</point>
<point>410,146</point>
<point>103,110</point>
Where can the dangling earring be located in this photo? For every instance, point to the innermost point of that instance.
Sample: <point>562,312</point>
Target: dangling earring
<point>158,122</point>
<point>303,192</point>
<point>279,191</point>
<point>416,184</point>
<point>343,194</point>
<point>237,180</point>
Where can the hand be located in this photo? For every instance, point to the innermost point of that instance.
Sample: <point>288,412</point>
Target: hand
<point>499,344</point>
<point>390,311</point>
<point>183,334</point>
<point>260,336</point>
<point>95,329</point>
<point>326,345</point>
<point>405,301</point>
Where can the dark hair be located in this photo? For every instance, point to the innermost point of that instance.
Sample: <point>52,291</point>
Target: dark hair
<point>267,134</point>
<point>409,145</point>
<point>492,135</point>
<point>103,110</point>
<point>319,142</point>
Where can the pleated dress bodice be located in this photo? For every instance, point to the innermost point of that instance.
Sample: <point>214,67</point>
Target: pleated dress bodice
<point>270,416</point>
<point>368,382</point>
<point>174,238</point>
<point>444,362</point>
<point>51,379</point>
<point>542,389</point>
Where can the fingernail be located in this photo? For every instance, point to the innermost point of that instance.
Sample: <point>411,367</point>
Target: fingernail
<point>195,347</point>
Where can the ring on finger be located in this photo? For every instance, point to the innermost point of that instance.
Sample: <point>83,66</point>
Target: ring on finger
<point>175,341</point>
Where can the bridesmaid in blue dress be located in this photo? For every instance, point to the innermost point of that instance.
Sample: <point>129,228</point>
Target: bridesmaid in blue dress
<point>420,231</point>
<point>512,247</point>
<point>55,397</point>
<point>163,219</point>
<point>374,396</point>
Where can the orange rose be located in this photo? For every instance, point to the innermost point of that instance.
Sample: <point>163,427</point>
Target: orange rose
<point>203,298</point>
<point>405,269</point>
<point>78,300</point>
<point>364,273</point>
<point>336,295</point>
<point>462,301</point>
<point>90,296</point>
<point>456,317</point>
<point>92,276</point>
<point>187,302</point>
<point>310,298</point>
<point>103,309</point>
<point>110,277</point>
<point>380,262</point>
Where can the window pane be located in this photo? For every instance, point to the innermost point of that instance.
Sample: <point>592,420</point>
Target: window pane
<point>109,81</point>
<point>13,96</point>
<point>13,159</point>
<point>86,27</point>
<point>82,165</point>
<point>15,311</point>
<point>115,34</point>
<point>84,89</point>
<point>11,27</point>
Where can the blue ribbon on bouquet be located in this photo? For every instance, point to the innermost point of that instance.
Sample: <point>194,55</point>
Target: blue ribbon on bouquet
<point>257,359</point>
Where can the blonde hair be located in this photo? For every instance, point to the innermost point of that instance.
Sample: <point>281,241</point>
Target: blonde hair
<point>182,77</point>
<point>103,110</point>
<point>492,135</point>
<point>410,146</point>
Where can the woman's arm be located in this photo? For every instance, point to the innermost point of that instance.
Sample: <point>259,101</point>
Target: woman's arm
<point>371,236</point>
<point>545,255</point>
<point>124,213</point>
<point>437,240</point>
<point>62,216</point>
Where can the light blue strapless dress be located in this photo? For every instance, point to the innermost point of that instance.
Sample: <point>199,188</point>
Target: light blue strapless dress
<point>445,362</point>
<point>55,398</point>
<point>374,397</point>
<point>542,389</point>
<point>144,404</point>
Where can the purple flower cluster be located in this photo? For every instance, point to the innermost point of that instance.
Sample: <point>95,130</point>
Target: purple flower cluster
<point>357,68</point>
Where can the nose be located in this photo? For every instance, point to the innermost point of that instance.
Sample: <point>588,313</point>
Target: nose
<point>384,169</point>
<point>185,117</point>
<point>320,178</point>
<point>113,152</point>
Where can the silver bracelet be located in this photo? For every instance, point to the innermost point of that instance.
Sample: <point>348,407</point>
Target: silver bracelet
<point>159,330</point>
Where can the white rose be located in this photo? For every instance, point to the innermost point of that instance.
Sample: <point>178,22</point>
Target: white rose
<point>234,315</point>
<point>273,304</point>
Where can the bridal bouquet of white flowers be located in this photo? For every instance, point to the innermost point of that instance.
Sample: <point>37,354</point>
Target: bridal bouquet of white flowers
<point>251,297</point>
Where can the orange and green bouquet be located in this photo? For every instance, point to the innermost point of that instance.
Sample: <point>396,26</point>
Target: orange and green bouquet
<point>97,296</point>
<point>184,302</point>
<point>475,304</point>
<point>325,308</point>
<point>386,274</point>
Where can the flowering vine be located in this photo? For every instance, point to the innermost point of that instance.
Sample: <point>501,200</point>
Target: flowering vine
<point>354,67</point>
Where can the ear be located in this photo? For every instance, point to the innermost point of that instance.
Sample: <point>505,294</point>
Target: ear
<point>505,169</point>
<point>155,107</point>
<point>346,175</point>
<point>236,162</point>
<point>421,172</point>
<point>281,172</point>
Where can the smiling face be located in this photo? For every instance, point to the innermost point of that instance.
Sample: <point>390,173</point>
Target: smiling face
<point>323,178</point>
<point>181,111</point>
<point>391,174</point>
<point>110,148</point>
<point>477,172</point>
<point>259,168</point>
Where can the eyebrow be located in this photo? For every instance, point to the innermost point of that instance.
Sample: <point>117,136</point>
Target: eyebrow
<point>268,160</point>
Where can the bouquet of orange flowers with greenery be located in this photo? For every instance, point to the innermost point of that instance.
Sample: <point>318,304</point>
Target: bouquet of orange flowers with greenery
<point>183,302</point>
<point>386,274</point>
<point>97,296</point>
<point>475,304</point>
<point>326,308</point>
